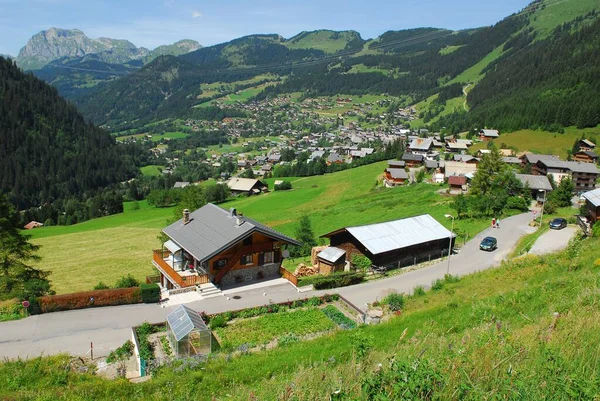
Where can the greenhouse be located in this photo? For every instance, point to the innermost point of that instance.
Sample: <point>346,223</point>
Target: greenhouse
<point>187,333</point>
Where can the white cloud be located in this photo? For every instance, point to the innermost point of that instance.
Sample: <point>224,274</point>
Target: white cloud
<point>196,14</point>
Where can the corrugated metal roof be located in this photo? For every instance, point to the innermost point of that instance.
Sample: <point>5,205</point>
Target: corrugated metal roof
<point>241,184</point>
<point>331,254</point>
<point>212,230</point>
<point>397,173</point>
<point>384,237</point>
<point>184,320</point>
<point>535,181</point>
<point>593,197</point>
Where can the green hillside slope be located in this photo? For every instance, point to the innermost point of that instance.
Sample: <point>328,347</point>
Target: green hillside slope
<point>528,330</point>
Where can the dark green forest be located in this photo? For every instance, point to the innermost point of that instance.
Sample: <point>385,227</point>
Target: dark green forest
<point>51,159</point>
<point>550,84</point>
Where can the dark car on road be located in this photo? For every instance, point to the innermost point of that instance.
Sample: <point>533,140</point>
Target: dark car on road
<point>558,223</point>
<point>488,244</point>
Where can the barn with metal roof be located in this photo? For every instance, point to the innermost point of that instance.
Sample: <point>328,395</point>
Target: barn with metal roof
<point>395,243</point>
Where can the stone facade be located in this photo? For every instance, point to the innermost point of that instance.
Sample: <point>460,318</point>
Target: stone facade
<point>251,274</point>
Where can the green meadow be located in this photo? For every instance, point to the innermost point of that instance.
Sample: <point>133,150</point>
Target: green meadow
<point>104,249</point>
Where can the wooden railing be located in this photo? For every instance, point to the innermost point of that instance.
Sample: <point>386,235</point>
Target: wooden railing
<point>288,276</point>
<point>185,281</point>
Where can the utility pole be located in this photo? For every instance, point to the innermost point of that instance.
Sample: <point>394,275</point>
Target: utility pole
<point>449,216</point>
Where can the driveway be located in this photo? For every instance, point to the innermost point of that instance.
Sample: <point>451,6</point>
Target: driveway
<point>553,240</point>
<point>109,327</point>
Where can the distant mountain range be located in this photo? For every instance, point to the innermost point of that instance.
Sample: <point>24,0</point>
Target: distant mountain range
<point>115,83</point>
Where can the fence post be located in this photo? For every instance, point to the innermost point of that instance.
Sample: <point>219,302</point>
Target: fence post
<point>415,261</point>
<point>92,350</point>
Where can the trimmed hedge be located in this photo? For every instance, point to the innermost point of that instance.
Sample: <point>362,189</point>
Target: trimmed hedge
<point>89,299</point>
<point>335,280</point>
<point>150,293</point>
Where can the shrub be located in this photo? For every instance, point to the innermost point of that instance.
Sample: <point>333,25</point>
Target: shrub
<point>341,279</point>
<point>122,353</point>
<point>361,262</point>
<point>101,286</point>
<point>150,293</point>
<point>218,321</point>
<point>437,285</point>
<point>418,291</point>
<point>284,186</point>
<point>516,202</point>
<point>449,278</point>
<point>88,299</point>
<point>287,339</point>
<point>127,281</point>
<point>394,301</point>
<point>361,343</point>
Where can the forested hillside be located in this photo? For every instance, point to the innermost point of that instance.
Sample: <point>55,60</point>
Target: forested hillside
<point>50,158</point>
<point>550,84</point>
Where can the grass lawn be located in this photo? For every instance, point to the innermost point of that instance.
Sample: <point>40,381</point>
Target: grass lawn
<point>361,68</point>
<point>449,49</point>
<point>475,73</point>
<point>152,170</point>
<point>491,335</point>
<point>168,135</point>
<point>266,328</point>
<point>543,142</point>
<point>104,249</point>
<point>558,12</point>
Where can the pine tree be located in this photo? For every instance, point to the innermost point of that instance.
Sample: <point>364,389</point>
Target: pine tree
<point>304,234</point>
<point>17,278</point>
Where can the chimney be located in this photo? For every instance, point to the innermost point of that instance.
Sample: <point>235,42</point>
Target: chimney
<point>186,216</point>
<point>240,219</point>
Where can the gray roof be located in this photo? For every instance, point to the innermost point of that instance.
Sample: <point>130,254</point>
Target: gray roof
<point>412,157</point>
<point>511,160</point>
<point>589,143</point>
<point>384,237</point>
<point>396,163</point>
<point>397,173</point>
<point>593,197</point>
<point>431,163</point>
<point>184,320</point>
<point>464,158</point>
<point>490,133</point>
<point>331,254</point>
<point>457,145</point>
<point>242,184</point>
<point>334,157</point>
<point>589,153</point>
<point>533,158</point>
<point>212,230</point>
<point>535,181</point>
<point>181,184</point>
<point>576,167</point>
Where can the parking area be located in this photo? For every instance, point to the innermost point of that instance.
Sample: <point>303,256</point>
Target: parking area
<point>553,240</point>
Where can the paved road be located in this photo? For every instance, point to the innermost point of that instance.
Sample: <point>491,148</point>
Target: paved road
<point>109,327</point>
<point>553,240</point>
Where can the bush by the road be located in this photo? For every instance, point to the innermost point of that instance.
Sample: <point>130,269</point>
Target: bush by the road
<point>335,280</point>
<point>88,299</point>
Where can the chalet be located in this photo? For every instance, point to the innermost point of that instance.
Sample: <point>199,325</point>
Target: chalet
<point>585,156</point>
<point>394,176</point>
<point>421,145</point>
<point>331,260</point>
<point>511,160</point>
<point>334,158</point>
<point>466,159</point>
<point>488,134</point>
<point>456,147</point>
<point>592,202</point>
<point>583,175</point>
<point>248,186</point>
<point>457,183</point>
<point>33,224</point>
<point>266,168</point>
<point>394,243</point>
<point>431,164</point>
<point>396,163</point>
<point>412,159</point>
<point>538,184</point>
<point>219,246</point>
<point>530,160</point>
<point>586,144</point>
<point>274,158</point>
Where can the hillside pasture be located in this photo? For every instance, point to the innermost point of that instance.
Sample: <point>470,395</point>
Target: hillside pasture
<point>152,170</point>
<point>543,142</point>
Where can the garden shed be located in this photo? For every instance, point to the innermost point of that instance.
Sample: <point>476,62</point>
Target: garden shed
<point>187,333</point>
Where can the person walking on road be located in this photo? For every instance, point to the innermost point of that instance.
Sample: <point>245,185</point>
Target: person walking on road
<point>497,223</point>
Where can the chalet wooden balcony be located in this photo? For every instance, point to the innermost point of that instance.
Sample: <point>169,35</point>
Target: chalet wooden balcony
<point>182,277</point>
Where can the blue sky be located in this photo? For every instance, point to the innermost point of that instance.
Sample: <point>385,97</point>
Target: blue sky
<point>151,23</point>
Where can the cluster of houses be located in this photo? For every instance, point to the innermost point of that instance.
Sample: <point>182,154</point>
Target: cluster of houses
<point>461,168</point>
